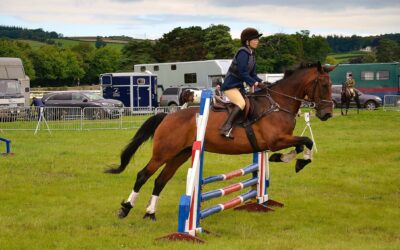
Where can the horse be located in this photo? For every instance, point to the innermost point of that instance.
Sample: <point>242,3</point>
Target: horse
<point>186,96</point>
<point>173,134</point>
<point>346,97</point>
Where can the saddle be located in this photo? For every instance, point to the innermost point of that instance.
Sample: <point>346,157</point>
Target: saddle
<point>250,111</point>
<point>253,111</point>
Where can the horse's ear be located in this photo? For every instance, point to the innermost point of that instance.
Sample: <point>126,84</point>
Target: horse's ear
<point>328,68</point>
<point>319,66</point>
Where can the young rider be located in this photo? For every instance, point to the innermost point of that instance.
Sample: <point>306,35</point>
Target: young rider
<point>242,70</point>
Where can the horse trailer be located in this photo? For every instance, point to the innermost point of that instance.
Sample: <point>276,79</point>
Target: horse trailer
<point>371,78</point>
<point>205,74</point>
<point>135,90</point>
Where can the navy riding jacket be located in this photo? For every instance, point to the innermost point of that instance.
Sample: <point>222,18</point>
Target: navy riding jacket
<point>242,69</point>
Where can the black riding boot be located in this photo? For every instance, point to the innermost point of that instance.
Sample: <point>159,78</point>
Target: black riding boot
<point>226,128</point>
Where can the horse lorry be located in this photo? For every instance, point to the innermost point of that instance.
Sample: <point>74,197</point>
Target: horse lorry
<point>14,88</point>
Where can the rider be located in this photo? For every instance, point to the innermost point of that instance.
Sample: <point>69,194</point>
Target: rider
<point>350,84</point>
<point>242,69</point>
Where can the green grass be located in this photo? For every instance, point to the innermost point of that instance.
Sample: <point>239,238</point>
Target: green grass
<point>55,196</point>
<point>68,43</point>
<point>346,57</point>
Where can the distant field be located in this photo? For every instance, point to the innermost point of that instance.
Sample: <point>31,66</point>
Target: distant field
<point>55,196</point>
<point>345,57</point>
<point>67,43</point>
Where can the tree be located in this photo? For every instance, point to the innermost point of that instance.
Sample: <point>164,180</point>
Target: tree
<point>315,48</point>
<point>85,53</point>
<point>137,52</point>
<point>105,59</point>
<point>218,42</point>
<point>388,51</point>
<point>278,52</point>
<point>72,66</point>
<point>22,50</point>
<point>181,45</point>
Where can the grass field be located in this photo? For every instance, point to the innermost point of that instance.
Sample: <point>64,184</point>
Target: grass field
<point>68,43</point>
<point>55,196</point>
<point>346,57</point>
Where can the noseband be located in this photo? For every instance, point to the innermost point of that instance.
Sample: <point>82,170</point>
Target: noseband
<point>322,103</point>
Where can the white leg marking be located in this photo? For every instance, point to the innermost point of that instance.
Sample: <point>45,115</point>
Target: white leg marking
<point>151,207</point>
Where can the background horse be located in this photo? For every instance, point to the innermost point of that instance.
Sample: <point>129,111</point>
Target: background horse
<point>187,96</point>
<point>174,134</point>
<point>346,98</point>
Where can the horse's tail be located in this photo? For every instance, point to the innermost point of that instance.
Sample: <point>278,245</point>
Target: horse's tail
<point>146,131</point>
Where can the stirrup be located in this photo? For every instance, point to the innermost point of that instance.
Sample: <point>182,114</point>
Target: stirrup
<point>228,134</point>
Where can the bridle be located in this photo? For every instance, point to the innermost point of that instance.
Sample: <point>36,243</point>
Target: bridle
<point>317,106</point>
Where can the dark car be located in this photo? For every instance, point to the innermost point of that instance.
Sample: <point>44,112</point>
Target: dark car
<point>98,107</point>
<point>366,101</point>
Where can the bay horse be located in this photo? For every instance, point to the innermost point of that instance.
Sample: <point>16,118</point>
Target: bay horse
<point>346,98</point>
<point>173,134</point>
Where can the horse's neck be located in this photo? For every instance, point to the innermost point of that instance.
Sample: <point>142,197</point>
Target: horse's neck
<point>293,87</point>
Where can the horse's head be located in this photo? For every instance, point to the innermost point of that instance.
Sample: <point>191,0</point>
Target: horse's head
<point>319,91</point>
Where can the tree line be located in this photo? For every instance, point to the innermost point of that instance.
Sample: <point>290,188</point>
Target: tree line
<point>54,65</point>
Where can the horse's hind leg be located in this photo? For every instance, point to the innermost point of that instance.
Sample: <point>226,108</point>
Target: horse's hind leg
<point>141,179</point>
<point>168,172</point>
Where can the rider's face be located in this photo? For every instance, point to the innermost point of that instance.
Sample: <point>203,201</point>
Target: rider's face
<point>254,43</point>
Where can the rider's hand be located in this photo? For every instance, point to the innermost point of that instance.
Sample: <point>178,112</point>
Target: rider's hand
<point>261,85</point>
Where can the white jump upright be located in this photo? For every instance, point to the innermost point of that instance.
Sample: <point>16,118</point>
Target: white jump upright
<point>190,211</point>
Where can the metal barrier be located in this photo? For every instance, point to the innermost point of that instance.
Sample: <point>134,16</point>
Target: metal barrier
<point>391,102</point>
<point>74,118</point>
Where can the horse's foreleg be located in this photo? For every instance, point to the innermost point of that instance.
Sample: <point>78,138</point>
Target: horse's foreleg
<point>294,141</point>
<point>168,172</point>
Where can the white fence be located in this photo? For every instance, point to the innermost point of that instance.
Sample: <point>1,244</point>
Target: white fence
<point>70,118</point>
<point>391,102</point>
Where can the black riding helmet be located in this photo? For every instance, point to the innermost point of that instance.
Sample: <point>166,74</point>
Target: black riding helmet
<point>249,34</point>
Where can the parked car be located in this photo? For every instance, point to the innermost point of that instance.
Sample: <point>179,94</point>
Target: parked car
<point>366,101</point>
<point>102,108</point>
<point>170,96</point>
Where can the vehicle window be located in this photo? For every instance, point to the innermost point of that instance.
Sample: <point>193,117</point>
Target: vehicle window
<point>190,78</point>
<point>3,72</point>
<point>93,96</point>
<point>367,75</point>
<point>171,91</point>
<point>61,97</point>
<point>141,81</point>
<point>382,75</point>
<point>77,97</point>
<point>15,72</point>
<point>143,68</point>
<point>173,67</point>
<point>9,87</point>
<point>156,68</point>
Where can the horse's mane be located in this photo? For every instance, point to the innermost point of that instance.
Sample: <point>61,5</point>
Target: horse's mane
<point>290,72</point>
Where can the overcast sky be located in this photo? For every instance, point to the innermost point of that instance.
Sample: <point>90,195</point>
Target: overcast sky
<point>151,19</point>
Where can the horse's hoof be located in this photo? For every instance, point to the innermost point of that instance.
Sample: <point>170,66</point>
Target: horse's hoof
<point>275,157</point>
<point>301,163</point>
<point>124,210</point>
<point>150,216</point>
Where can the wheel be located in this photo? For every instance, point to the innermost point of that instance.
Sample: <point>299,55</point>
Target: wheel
<point>370,105</point>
